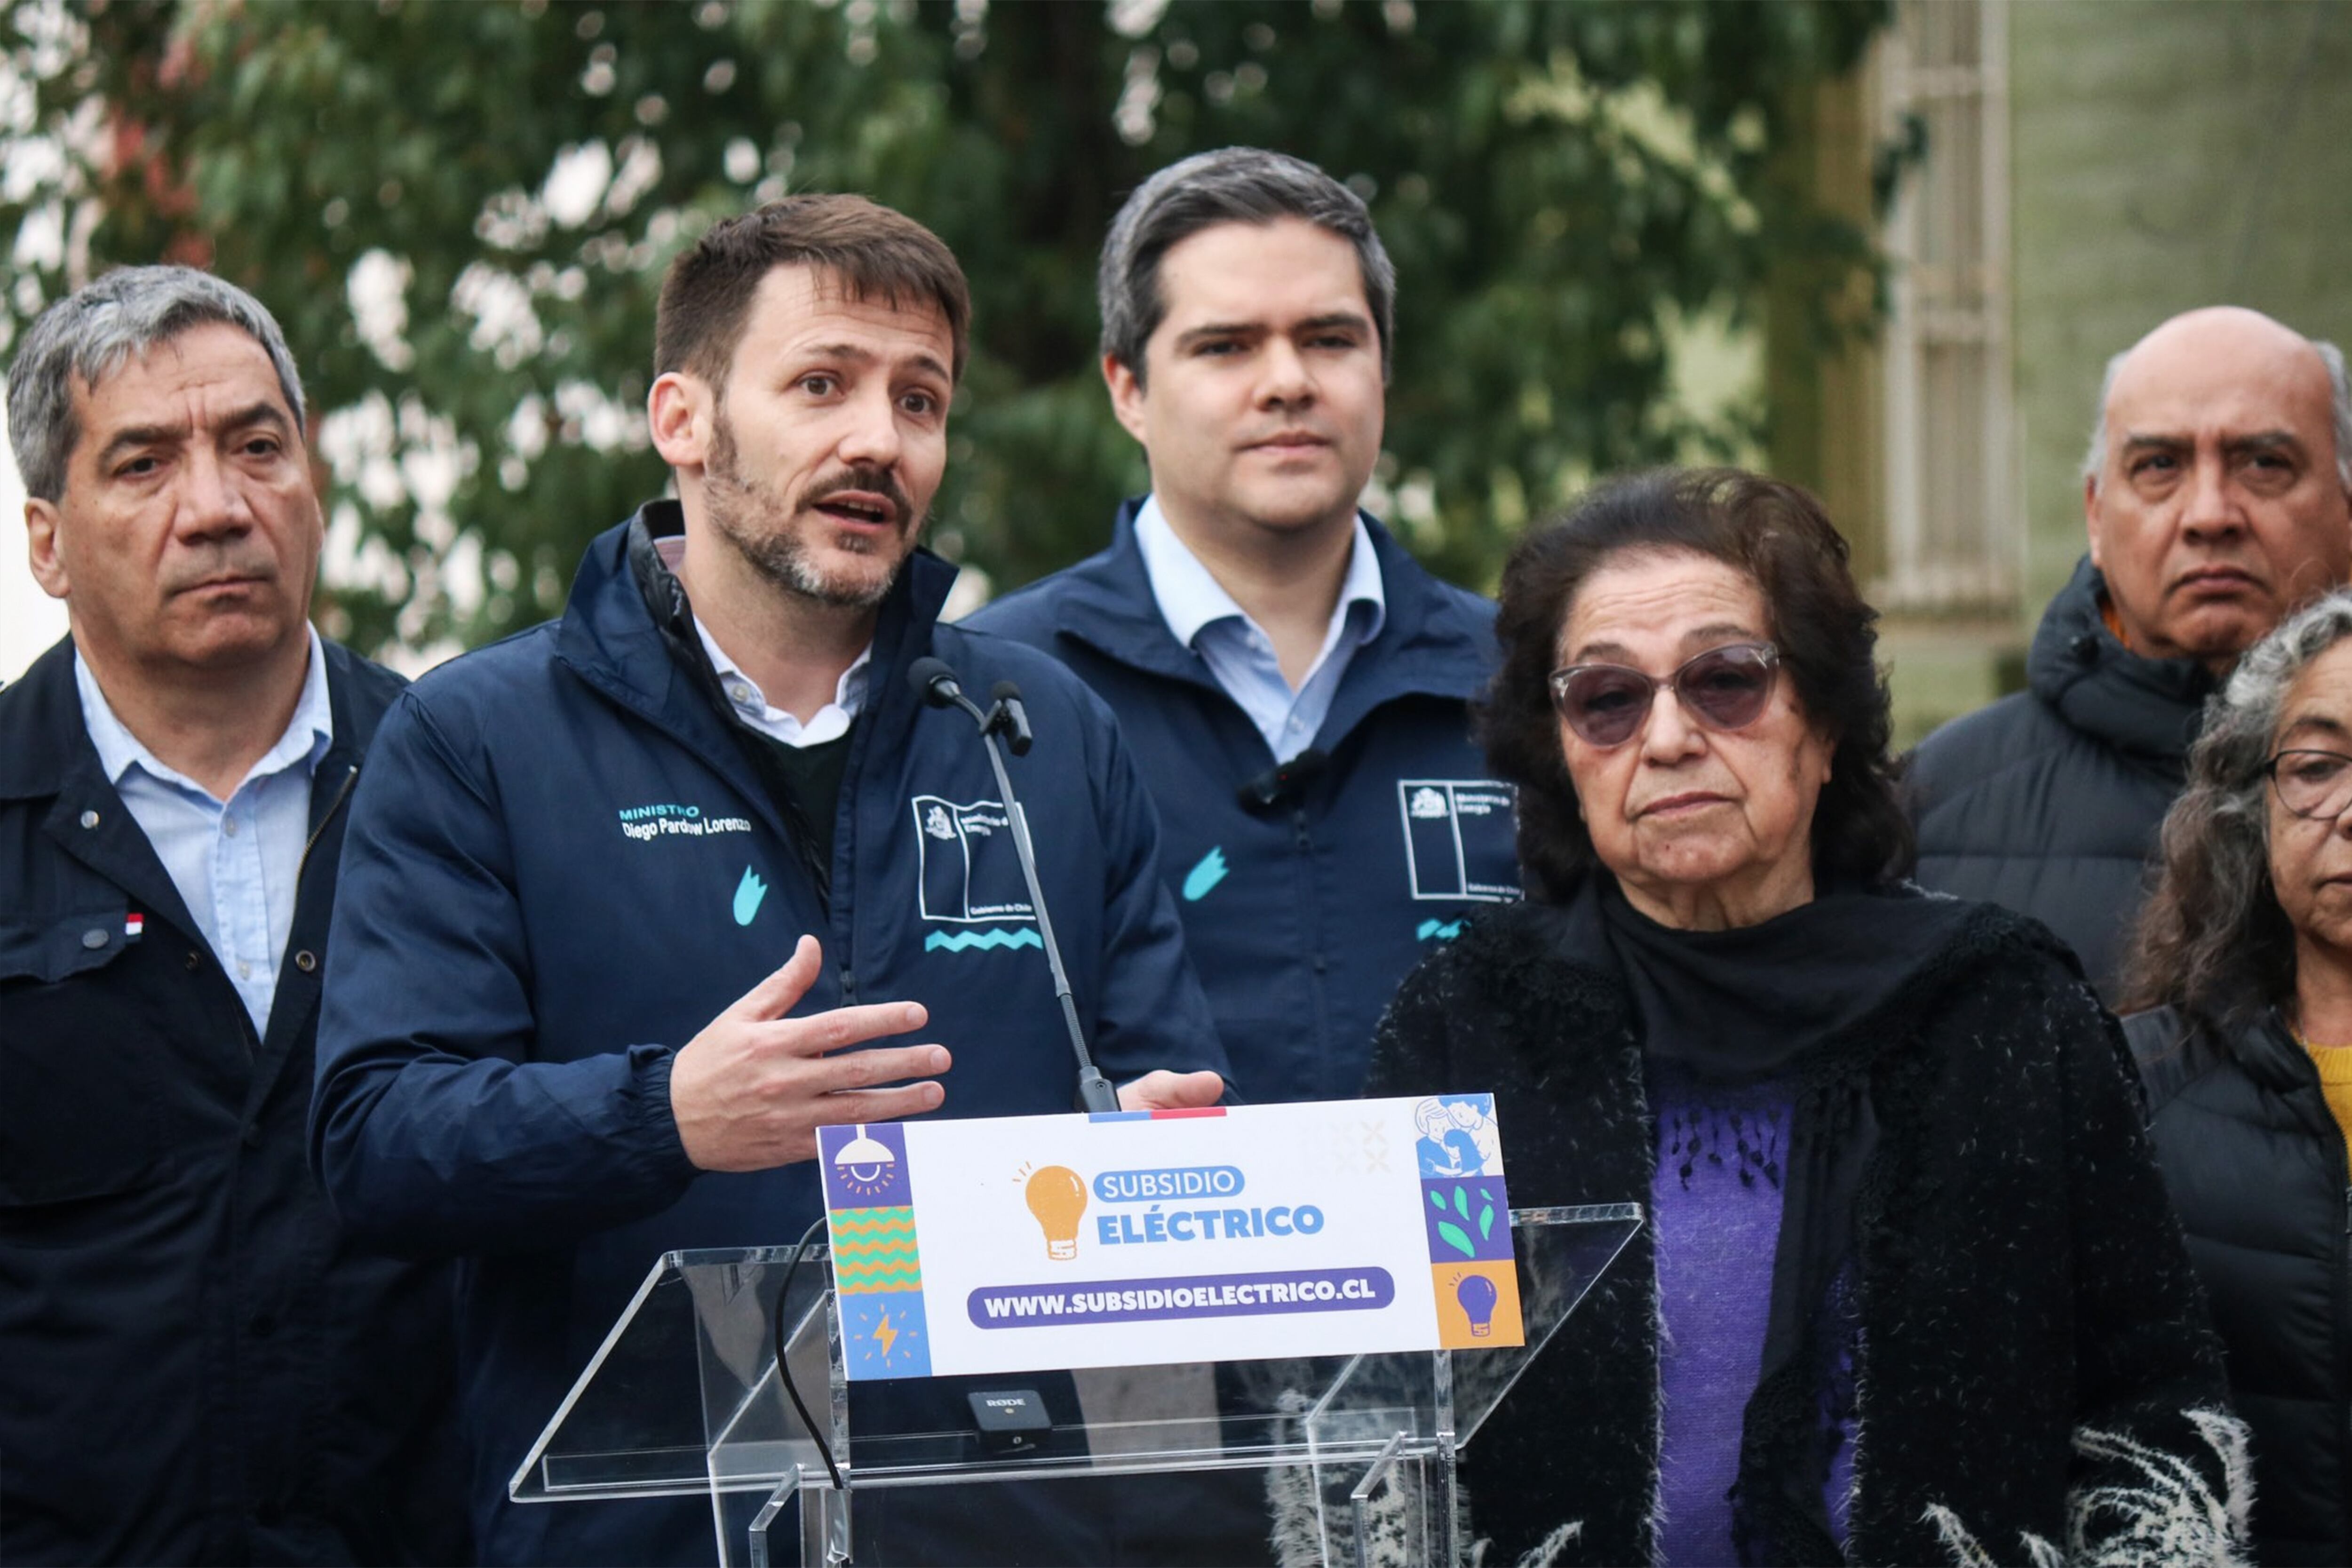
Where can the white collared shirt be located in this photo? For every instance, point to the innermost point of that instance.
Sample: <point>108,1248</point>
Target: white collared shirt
<point>236,863</point>
<point>829,723</point>
<point>1204,617</point>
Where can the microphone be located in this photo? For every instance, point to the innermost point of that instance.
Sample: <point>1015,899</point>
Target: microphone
<point>934,680</point>
<point>1285,781</point>
<point>1009,716</point>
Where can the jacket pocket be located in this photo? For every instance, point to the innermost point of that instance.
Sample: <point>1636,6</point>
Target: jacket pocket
<point>77,1059</point>
<point>57,947</point>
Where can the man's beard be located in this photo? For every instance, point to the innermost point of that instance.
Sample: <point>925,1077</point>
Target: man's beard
<point>751,515</point>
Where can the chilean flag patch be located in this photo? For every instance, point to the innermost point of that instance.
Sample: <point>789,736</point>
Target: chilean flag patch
<point>133,923</point>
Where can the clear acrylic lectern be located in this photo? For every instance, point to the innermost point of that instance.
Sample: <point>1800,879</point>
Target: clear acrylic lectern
<point>683,1399</point>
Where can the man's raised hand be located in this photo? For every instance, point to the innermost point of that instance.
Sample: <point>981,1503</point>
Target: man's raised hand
<point>750,1091</point>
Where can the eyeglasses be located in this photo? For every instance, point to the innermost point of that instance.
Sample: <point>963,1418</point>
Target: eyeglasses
<point>2312,783</point>
<point>1724,688</point>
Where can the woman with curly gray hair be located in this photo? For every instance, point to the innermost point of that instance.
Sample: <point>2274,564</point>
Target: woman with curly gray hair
<point>2242,961</point>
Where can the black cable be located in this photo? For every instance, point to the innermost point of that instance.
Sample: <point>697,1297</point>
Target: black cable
<point>783,1373</point>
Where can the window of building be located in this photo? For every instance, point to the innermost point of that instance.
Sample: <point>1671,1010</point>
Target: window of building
<point>1953,529</point>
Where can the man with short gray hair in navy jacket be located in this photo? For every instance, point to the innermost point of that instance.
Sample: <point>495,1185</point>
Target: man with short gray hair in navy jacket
<point>1293,684</point>
<point>623,892</point>
<point>196,1364</point>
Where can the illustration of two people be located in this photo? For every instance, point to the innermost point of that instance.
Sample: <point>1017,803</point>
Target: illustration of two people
<point>1458,1137</point>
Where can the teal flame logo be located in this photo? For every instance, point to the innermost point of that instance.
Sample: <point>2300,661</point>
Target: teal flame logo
<point>748,894</point>
<point>1204,876</point>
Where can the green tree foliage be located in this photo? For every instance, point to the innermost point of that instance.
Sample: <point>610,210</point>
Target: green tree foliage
<point>1558,183</point>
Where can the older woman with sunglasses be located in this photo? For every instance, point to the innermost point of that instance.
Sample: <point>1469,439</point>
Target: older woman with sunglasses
<point>2243,961</point>
<point>1910,1292</point>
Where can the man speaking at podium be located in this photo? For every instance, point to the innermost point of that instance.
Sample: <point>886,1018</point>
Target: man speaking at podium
<point>619,891</point>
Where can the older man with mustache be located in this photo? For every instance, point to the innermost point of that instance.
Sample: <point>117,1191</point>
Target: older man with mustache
<point>2218,493</point>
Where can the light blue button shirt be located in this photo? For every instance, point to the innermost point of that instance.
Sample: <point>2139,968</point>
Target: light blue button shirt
<point>829,723</point>
<point>235,863</point>
<point>1239,654</point>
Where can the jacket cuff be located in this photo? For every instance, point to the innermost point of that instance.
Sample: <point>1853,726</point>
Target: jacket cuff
<point>650,1066</point>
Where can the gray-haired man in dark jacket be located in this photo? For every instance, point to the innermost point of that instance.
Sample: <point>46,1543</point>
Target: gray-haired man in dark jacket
<point>2218,495</point>
<point>195,1363</point>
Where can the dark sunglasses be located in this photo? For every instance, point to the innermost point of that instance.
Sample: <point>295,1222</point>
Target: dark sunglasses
<point>2311,783</point>
<point>1724,688</point>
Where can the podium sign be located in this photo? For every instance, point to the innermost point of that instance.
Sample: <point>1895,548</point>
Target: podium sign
<point>1138,1238</point>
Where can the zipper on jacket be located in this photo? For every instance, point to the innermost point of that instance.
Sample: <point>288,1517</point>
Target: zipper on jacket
<point>351,779</point>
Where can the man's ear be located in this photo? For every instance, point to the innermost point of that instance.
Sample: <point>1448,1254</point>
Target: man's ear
<point>2091,517</point>
<point>679,410</point>
<point>1126,394</point>
<point>41,548</point>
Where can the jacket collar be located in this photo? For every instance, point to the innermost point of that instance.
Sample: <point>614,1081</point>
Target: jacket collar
<point>617,631</point>
<point>1430,646</point>
<point>2148,708</point>
<point>46,753</point>
<point>1190,599</point>
<point>355,722</point>
<point>42,738</point>
<point>2270,1054</point>
<point>44,742</point>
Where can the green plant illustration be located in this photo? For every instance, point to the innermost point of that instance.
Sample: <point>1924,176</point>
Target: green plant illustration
<point>1457,1236</point>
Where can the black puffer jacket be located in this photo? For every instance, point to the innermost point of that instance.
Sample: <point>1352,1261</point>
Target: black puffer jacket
<point>2255,1165</point>
<point>2049,800</point>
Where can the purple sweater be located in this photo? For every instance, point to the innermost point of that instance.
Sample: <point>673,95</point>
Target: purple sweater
<point>1716,1205</point>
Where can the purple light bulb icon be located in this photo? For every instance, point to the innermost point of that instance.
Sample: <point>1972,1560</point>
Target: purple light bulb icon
<point>1476,1294</point>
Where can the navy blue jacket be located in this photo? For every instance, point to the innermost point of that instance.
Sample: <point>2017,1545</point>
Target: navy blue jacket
<point>196,1364</point>
<point>562,865</point>
<point>1302,913</point>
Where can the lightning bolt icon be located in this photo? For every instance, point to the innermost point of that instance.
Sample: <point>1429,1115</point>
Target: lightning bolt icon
<point>885,1335</point>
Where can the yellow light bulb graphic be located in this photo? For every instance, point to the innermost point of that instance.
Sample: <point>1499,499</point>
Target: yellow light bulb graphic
<point>1058,1197</point>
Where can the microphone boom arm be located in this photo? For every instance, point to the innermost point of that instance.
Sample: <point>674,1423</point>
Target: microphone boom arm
<point>1095,1092</point>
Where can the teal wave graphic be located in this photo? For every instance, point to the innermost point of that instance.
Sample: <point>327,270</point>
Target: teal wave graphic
<point>958,941</point>
<point>1443,931</point>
